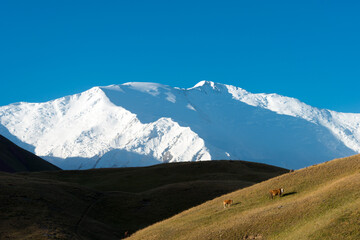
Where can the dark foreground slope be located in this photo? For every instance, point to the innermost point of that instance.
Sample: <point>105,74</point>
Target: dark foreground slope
<point>320,202</point>
<point>16,159</point>
<point>105,203</point>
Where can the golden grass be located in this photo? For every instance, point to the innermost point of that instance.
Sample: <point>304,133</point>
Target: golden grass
<point>320,202</point>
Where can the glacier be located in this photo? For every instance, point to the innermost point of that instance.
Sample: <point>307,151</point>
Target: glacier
<point>141,124</point>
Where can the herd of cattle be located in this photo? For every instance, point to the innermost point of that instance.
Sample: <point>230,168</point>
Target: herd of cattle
<point>272,193</point>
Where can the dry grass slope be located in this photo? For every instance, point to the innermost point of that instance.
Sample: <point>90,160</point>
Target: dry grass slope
<point>320,202</point>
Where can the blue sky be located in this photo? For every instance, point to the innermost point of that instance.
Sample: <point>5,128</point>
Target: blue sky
<point>309,50</point>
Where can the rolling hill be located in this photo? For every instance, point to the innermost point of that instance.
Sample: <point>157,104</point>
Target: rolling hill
<point>105,203</point>
<point>16,159</point>
<point>320,202</point>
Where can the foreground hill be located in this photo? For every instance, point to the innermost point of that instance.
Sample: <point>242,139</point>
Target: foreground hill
<point>320,202</point>
<point>141,124</point>
<point>16,159</point>
<point>105,203</point>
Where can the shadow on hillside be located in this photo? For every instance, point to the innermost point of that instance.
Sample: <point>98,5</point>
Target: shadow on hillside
<point>288,194</point>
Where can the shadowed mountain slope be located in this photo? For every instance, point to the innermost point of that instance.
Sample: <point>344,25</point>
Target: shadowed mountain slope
<point>16,159</point>
<point>105,203</point>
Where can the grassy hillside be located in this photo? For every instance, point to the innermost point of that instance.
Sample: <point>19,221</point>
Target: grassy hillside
<point>104,203</point>
<point>320,202</point>
<point>15,159</point>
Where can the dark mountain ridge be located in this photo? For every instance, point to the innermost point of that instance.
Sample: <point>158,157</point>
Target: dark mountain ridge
<point>16,159</point>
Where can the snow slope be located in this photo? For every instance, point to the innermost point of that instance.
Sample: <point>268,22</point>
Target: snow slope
<point>139,124</point>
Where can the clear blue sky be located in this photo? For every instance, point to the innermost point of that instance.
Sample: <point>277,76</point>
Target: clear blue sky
<point>309,50</point>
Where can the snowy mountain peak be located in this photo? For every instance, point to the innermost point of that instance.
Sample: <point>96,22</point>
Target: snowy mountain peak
<point>209,86</point>
<point>204,83</point>
<point>140,123</point>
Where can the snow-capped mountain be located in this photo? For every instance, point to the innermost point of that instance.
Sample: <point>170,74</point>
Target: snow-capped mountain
<point>139,124</point>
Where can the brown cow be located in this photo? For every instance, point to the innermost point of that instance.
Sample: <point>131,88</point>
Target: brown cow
<point>227,203</point>
<point>275,192</point>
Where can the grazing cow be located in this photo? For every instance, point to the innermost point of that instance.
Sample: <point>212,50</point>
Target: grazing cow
<point>275,192</point>
<point>227,203</point>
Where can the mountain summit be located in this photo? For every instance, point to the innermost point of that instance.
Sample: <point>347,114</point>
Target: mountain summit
<point>140,124</point>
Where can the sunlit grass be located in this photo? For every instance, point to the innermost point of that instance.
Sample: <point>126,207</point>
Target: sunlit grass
<point>320,202</point>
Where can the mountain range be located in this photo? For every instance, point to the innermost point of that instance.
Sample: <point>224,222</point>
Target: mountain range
<point>142,124</point>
